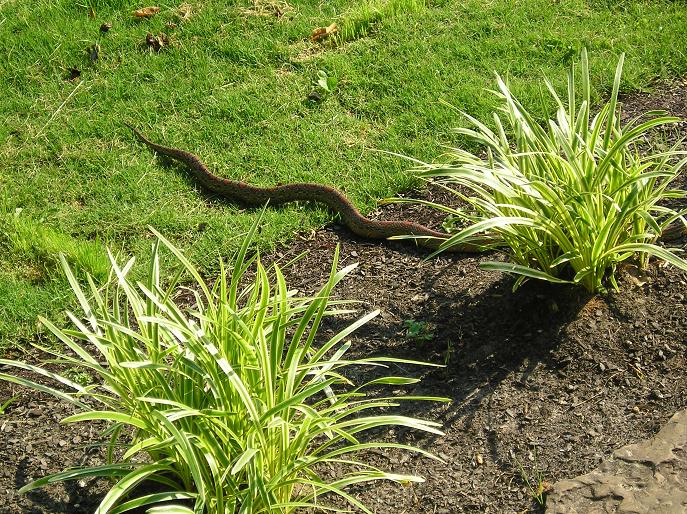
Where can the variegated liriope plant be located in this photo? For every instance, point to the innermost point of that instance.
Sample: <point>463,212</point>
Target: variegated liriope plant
<point>568,200</point>
<point>231,406</point>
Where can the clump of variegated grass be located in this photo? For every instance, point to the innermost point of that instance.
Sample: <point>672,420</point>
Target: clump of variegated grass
<point>566,201</point>
<point>232,406</point>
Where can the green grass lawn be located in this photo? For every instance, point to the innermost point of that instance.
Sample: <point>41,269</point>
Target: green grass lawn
<point>232,85</point>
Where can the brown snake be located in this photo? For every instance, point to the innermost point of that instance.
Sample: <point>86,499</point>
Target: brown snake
<point>247,194</point>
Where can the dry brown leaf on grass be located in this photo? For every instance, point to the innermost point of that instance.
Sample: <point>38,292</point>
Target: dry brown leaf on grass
<point>146,12</point>
<point>321,33</point>
<point>158,42</point>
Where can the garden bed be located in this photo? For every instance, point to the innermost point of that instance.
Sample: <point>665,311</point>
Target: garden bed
<point>545,382</point>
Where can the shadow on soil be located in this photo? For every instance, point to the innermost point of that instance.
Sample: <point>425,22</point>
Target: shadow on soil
<point>483,338</point>
<point>76,495</point>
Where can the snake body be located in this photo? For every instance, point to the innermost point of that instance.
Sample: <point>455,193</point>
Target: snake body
<point>254,196</point>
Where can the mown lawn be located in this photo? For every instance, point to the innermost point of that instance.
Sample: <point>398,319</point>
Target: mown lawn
<point>232,84</point>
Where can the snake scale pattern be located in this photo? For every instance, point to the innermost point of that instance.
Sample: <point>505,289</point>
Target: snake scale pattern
<point>254,196</point>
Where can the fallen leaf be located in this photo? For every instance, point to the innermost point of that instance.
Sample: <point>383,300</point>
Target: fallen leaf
<point>153,42</point>
<point>146,12</point>
<point>105,27</point>
<point>544,487</point>
<point>321,33</point>
<point>318,33</point>
<point>158,42</point>
<point>91,12</point>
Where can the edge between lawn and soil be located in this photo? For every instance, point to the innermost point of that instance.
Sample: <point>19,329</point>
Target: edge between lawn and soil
<point>546,382</point>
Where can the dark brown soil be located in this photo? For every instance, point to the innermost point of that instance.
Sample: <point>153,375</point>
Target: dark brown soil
<point>545,382</point>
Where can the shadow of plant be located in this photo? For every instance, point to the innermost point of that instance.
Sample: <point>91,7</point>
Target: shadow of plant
<point>45,500</point>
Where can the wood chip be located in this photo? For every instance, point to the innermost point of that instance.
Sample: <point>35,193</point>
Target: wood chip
<point>146,12</point>
<point>321,33</point>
